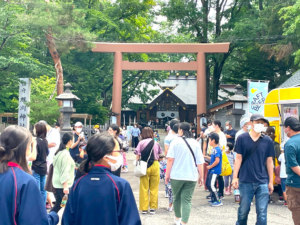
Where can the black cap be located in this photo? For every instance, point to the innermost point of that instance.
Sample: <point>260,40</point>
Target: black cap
<point>293,123</point>
<point>255,117</point>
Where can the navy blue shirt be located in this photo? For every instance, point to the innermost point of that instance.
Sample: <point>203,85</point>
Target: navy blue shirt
<point>231,133</point>
<point>100,197</point>
<point>21,201</point>
<point>254,169</point>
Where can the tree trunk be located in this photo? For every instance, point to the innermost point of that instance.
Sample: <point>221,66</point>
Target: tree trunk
<point>57,64</point>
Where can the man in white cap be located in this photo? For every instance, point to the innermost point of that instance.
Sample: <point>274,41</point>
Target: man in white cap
<point>78,137</point>
<point>253,170</point>
<point>244,125</point>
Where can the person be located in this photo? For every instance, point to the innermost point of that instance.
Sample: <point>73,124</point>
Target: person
<point>283,176</point>
<point>149,183</point>
<point>230,132</point>
<point>114,130</point>
<point>214,168</point>
<point>168,139</point>
<point>78,137</point>
<point>244,125</point>
<point>99,197</point>
<point>231,157</point>
<point>20,202</point>
<point>63,170</point>
<point>184,169</point>
<point>292,158</point>
<point>135,133</point>
<point>39,165</point>
<point>222,144</point>
<point>253,170</point>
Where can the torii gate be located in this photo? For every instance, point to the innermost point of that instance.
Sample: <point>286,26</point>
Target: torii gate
<point>120,65</point>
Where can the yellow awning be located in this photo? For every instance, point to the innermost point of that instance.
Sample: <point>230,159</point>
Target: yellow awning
<point>278,97</point>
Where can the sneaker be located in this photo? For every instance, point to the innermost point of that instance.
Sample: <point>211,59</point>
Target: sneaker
<point>152,211</point>
<point>208,197</point>
<point>285,203</point>
<point>281,200</point>
<point>209,201</point>
<point>170,209</point>
<point>177,222</point>
<point>216,204</point>
<point>144,212</point>
<point>166,195</point>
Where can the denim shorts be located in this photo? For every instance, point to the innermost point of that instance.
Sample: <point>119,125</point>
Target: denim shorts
<point>283,182</point>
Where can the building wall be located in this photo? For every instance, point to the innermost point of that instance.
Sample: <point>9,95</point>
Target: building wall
<point>224,115</point>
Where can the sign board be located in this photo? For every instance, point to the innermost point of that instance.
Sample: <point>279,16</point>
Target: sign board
<point>24,98</point>
<point>257,93</point>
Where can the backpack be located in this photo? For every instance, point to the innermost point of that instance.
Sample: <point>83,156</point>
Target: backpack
<point>226,168</point>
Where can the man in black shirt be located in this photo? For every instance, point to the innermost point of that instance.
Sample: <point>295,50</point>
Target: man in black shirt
<point>230,132</point>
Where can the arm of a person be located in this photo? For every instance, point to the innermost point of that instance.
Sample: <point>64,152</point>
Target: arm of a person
<point>128,213</point>
<point>65,171</point>
<point>270,168</point>
<point>237,166</point>
<point>32,204</point>
<point>166,149</point>
<point>33,153</point>
<point>76,143</point>
<point>296,170</point>
<point>215,163</point>
<point>169,168</point>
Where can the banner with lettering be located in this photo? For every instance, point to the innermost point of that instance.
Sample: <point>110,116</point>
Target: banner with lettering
<point>257,93</point>
<point>24,98</point>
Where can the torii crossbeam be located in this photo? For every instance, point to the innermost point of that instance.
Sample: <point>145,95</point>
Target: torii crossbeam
<point>199,66</point>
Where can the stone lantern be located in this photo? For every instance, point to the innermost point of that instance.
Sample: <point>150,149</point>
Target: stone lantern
<point>67,109</point>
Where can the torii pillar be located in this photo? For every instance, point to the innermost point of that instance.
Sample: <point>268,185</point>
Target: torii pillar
<point>199,66</point>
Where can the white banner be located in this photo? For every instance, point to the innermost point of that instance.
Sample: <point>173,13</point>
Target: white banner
<point>257,93</point>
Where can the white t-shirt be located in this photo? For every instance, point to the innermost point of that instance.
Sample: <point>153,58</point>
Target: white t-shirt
<point>53,136</point>
<point>222,140</point>
<point>169,138</point>
<point>184,167</point>
<point>281,159</point>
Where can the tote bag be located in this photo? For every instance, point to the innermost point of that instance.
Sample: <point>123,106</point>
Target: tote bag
<point>226,168</point>
<point>141,166</point>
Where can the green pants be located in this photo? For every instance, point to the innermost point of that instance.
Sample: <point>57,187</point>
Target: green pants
<point>182,192</point>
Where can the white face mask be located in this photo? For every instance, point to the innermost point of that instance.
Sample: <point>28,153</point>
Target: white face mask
<point>78,130</point>
<point>119,161</point>
<point>265,129</point>
<point>258,128</point>
<point>227,127</point>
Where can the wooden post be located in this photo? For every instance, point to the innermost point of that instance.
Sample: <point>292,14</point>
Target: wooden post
<point>117,87</point>
<point>201,87</point>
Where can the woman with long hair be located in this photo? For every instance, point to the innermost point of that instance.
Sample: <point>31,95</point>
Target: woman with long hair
<point>39,165</point>
<point>148,148</point>
<point>20,202</point>
<point>114,130</point>
<point>99,197</point>
<point>63,170</point>
<point>184,169</point>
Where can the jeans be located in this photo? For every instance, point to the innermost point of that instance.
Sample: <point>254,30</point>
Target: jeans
<point>210,183</point>
<point>41,181</point>
<point>221,186</point>
<point>247,191</point>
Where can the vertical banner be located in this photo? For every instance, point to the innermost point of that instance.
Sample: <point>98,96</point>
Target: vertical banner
<point>24,98</point>
<point>257,93</point>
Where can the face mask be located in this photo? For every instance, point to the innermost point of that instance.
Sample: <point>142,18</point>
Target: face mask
<point>119,161</point>
<point>211,128</point>
<point>249,127</point>
<point>265,129</point>
<point>258,128</point>
<point>227,127</point>
<point>78,130</point>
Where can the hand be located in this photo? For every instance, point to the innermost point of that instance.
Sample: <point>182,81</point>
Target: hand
<point>208,167</point>
<point>235,183</point>
<point>200,182</point>
<point>167,179</point>
<point>66,191</point>
<point>271,188</point>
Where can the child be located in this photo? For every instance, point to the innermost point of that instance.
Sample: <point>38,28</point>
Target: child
<point>214,168</point>
<point>283,175</point>
<point>168,189</point>
<point>231,158</point>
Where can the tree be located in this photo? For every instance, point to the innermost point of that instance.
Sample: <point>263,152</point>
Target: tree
<point>43,105</point>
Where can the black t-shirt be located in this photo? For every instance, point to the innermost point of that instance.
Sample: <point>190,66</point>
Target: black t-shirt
<point>254,169</point>
<point>231,133</point>
<point>74,152</point>
<point>40,164</point>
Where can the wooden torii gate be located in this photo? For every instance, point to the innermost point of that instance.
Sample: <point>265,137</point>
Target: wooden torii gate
<point>199,66</point>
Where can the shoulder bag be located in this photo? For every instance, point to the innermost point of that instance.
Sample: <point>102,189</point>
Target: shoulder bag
<point>141,166</point>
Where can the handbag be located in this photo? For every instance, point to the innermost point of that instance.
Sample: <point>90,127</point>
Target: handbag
<point>141,166</point>
<point>49,186</point>
<point>226,168</point>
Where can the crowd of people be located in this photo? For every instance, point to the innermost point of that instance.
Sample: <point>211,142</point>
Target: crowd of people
<point>86,173</point>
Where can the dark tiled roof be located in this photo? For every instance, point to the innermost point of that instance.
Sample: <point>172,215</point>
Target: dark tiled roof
<point>293,81</point>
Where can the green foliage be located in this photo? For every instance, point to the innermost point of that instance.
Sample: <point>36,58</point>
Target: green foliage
<point>43,105</point>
